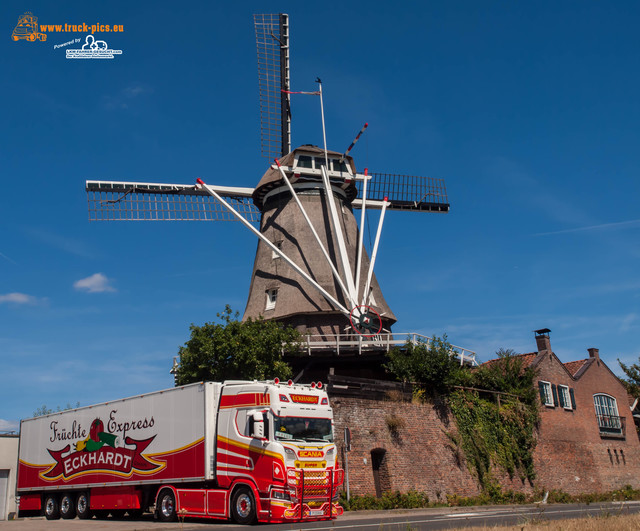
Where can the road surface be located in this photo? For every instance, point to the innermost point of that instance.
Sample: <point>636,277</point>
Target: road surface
<point>397,520</point>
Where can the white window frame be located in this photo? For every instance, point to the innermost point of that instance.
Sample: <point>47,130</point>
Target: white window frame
<point>607,413</point>
<point>566,396</point>
<point>272,297</point>
<point>548,394</point>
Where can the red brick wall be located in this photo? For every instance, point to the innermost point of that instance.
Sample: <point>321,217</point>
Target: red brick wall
<point>418,458</point>
<point>570,454</point>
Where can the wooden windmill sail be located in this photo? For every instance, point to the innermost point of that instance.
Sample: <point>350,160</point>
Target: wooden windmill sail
<point>311,269</point>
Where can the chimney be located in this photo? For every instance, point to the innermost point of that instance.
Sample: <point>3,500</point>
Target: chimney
<point>542,339</point>
<point>594,353</point>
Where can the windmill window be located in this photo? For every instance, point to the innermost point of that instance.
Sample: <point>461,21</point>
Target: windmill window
<point>278,244</point>
<point>272,296</point>
<point>340,166</point>
<point>304,161</point>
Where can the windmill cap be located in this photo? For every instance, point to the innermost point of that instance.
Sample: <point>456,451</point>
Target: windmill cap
<point>272,178</point>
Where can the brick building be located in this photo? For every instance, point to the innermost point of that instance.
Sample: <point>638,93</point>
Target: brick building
<point>586,440</point>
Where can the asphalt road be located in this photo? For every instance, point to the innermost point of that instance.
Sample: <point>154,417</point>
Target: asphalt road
<point>397,520</point>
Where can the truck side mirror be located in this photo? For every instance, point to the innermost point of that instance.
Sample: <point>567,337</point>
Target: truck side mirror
<point>258,426</point>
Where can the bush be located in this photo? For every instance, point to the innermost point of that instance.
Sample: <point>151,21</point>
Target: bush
<point>389,500</point>
<point>432,366</point>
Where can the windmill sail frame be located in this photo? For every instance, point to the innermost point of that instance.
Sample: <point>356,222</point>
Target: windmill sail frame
<point>272,40</point>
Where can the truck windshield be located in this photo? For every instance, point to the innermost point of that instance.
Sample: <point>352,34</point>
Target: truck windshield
<point>303,428</point>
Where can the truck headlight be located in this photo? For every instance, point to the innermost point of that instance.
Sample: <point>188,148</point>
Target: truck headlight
<point>279,495</point>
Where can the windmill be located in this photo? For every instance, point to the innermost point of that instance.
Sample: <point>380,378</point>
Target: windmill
<point>311,269</point>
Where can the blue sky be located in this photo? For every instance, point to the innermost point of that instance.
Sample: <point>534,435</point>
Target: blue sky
<point>528,110</point>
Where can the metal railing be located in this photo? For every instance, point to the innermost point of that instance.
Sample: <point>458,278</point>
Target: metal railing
<point>351,343</point>
<point>611,425</point>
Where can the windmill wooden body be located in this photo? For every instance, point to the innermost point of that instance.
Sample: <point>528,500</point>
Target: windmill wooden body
<point>311,269</point>
<point>278,292</point>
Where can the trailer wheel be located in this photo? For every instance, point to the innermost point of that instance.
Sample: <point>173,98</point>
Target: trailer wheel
<point>167,506</point>
<point>82,506</point>
<point>51,508</point>
<point>243,507</point>
<point>67,507</point>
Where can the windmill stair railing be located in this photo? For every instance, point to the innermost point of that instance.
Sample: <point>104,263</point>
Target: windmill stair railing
<point>351,344</point>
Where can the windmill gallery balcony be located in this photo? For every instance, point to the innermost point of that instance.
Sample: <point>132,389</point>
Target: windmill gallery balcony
<point>350,344</point>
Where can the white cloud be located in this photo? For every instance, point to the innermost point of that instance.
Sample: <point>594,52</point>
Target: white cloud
<point>628,322</point>
<point>18,298</point>
<point>9,425</point>
<point>64,243</point>
<point>96,283</point>
<point>7,258</point>
<point>603,226</point>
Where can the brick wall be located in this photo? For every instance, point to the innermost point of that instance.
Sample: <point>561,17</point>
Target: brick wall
<point>418,456</point>
<point>571,455</point>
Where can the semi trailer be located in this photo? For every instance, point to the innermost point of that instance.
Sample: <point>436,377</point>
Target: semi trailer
<point>240,450</point>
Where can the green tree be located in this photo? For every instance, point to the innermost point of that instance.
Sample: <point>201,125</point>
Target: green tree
<point>232,349</point>
<point>432,366</point>
<point>632,383</point>
<point>44,410</point>
<point>507,374</point>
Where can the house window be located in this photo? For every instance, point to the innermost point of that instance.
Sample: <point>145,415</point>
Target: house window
<point>272,296</point>
<point>564,397</point>
<point>546,394</point>
<point>609,422</point>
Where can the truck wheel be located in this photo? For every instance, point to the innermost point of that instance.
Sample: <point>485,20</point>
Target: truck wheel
<point>167,506</point>
<point>82,506</point>
<point>67,507</point>
<point>51,508</point>
<point>243,507</point>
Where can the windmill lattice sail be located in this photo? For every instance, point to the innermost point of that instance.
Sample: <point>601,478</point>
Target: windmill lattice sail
<point>272,40</point>
<point>405,192</point>
<point>125,201</point>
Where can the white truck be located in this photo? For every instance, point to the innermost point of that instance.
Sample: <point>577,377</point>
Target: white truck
<point>249,451</point>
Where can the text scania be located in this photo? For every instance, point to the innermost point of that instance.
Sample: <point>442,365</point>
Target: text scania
<point>82,28</point>
<point>83,461</point>
<point>113,426</point>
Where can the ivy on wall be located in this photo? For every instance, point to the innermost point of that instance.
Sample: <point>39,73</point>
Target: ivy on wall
<point>494,434</point>
<point>494,405</point>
